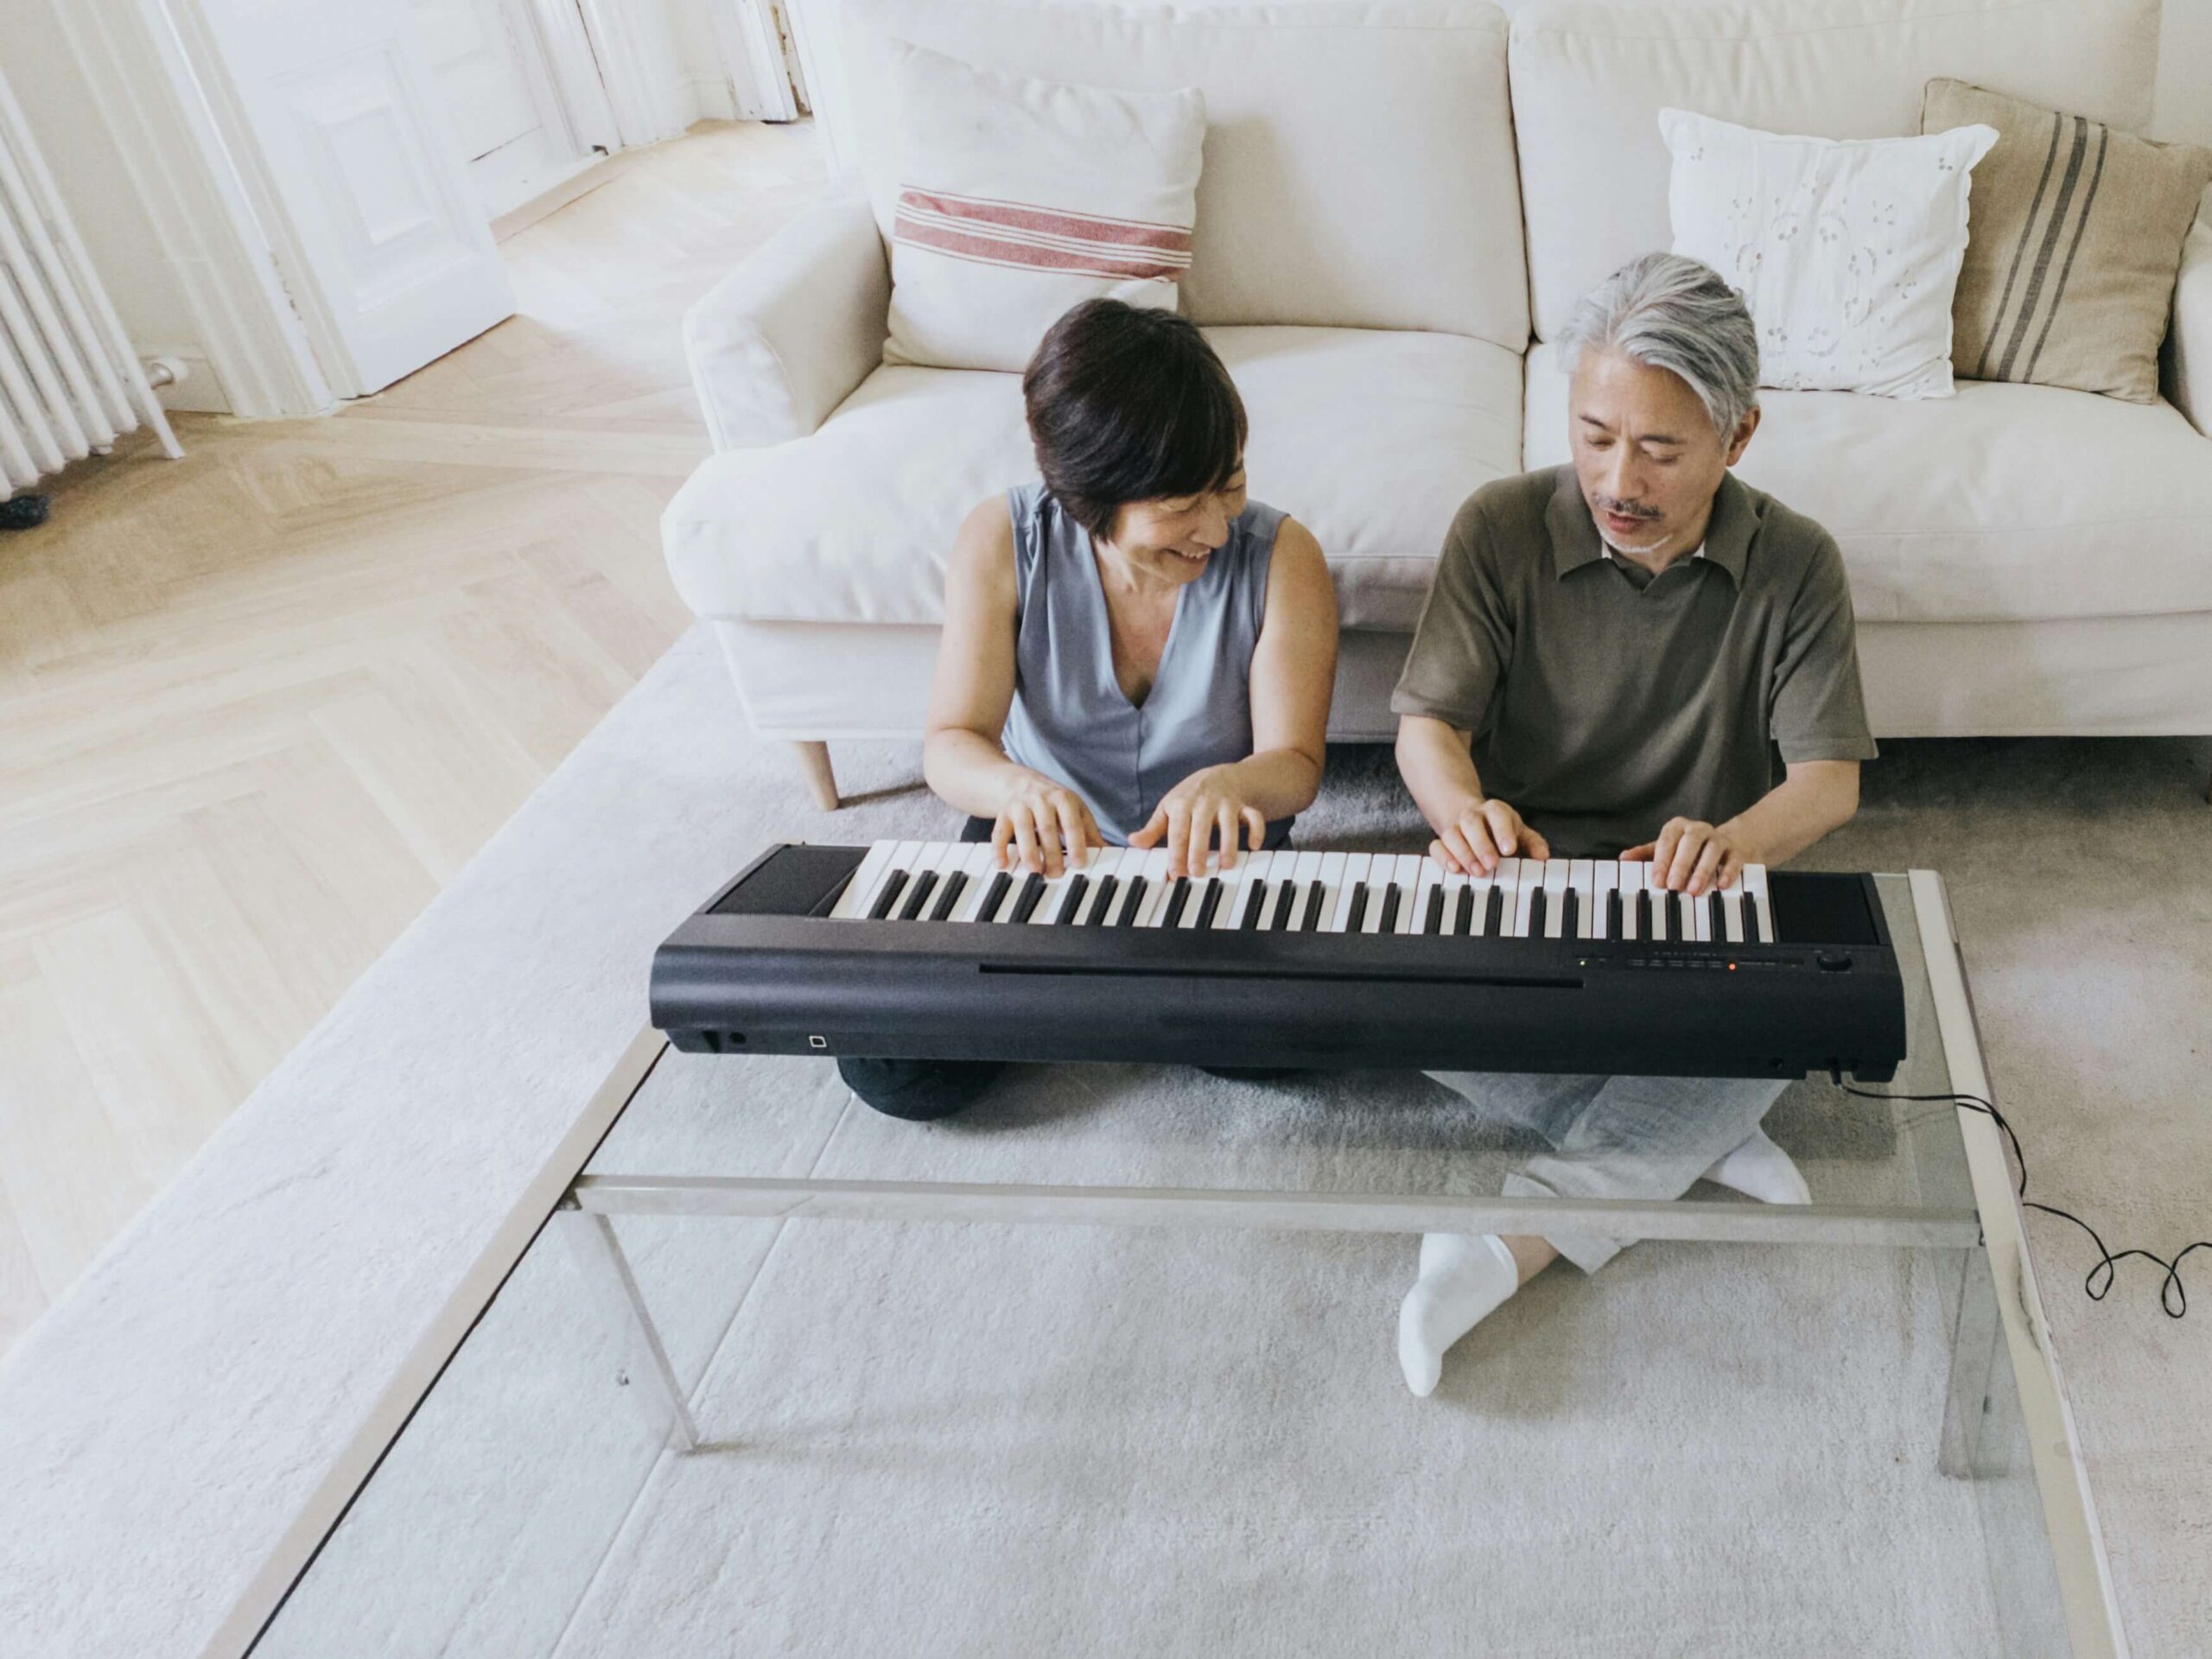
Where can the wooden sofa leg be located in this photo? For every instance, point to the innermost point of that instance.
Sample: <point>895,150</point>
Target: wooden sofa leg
<point>814,761</point>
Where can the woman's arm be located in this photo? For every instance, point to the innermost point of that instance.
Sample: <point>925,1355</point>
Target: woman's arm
<point>1293,677</point>
<point>970,695</point>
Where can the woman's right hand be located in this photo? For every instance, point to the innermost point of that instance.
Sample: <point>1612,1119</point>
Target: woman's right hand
<point>1045,827</point>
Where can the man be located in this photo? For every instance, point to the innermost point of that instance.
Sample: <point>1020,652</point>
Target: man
<point>1610,656</point>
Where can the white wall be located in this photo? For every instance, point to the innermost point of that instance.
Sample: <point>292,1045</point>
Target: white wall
<point>2183,111</point>
<point>103,199</point>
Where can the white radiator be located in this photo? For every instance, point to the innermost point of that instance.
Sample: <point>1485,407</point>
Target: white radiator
<point>69,384</point>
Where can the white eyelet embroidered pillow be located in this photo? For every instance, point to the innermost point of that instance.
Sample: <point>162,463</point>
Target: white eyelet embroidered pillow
<point>1848,251</point>
<point>1018,197</point>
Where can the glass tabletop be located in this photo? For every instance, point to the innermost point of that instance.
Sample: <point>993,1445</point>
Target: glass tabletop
<point>704,1414</point>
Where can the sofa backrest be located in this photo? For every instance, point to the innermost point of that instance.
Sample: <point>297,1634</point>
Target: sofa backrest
<point>1589,80</point>
<point>1359,168</point>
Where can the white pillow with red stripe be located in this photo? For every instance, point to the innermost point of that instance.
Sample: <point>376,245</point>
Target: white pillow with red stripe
<point>1018,197</point>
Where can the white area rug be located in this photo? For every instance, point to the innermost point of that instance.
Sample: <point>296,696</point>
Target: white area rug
<point>952,1439</point>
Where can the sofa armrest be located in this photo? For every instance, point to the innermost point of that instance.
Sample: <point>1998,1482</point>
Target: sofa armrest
<point>2189,337</point>
<point>784,338</point>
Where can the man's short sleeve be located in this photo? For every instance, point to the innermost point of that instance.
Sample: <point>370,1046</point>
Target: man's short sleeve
<point>1464,640</point>
<point>1818,712</point>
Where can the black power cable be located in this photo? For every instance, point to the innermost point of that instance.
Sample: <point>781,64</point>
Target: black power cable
<point>2172,1297</point>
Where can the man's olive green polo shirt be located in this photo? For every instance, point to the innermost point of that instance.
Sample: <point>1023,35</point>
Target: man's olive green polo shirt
<point>1604,701</point>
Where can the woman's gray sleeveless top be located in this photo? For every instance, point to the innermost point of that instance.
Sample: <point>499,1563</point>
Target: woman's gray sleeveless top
<point>1070,719</point>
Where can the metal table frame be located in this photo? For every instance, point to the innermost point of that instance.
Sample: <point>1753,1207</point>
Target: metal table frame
<point>2002,1305</point>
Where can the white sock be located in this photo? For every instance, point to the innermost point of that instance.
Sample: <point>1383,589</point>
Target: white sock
<point>1463,1277</point>
<point>1759,1169</point>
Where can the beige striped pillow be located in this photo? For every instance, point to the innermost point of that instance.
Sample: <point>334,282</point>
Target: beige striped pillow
<point>2074,239</point>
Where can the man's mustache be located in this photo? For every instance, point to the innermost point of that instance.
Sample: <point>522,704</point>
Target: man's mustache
<point>1625,509</point>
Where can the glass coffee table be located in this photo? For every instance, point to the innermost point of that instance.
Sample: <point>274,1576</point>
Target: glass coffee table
<point>1110,1368</point>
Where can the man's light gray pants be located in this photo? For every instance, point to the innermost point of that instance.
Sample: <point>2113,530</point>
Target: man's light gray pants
<point>1616,1137</point>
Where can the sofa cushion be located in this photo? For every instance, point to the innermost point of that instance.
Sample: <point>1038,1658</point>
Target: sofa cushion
<point>1589,80</point>
<point>1322,199</point>
<point>2003,504</point>
<point>1369,439</point>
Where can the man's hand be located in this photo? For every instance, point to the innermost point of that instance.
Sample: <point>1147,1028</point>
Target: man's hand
<point>1044,826</point>
<point>1485,832</point>
<point>1694,857</point>
<point>1209,802</point>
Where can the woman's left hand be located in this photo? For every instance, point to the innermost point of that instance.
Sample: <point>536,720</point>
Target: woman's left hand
<point>1208,802</point>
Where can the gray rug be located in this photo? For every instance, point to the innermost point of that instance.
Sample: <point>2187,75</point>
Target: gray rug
<point>995,1440</point>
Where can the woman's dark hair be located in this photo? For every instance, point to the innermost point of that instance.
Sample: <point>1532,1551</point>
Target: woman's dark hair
<point>1129,404</point>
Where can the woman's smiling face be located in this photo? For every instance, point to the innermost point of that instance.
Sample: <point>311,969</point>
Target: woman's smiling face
<point>1174,538</point>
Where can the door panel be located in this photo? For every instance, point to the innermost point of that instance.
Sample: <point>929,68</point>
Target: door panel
<point>471,49</point>
<point>396,264</point>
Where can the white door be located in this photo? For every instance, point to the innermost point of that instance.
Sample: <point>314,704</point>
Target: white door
<point>499,93</point>
<point>387,251</point>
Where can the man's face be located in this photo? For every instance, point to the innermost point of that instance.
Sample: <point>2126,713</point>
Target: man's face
<point>1646,455</point>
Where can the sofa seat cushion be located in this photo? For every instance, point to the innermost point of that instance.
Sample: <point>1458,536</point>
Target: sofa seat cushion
<point>1371,439</point>
<point>2005,504</point>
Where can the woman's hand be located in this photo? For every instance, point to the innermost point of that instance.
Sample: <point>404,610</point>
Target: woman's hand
<point>1210,802</point>
<point>1694,857</point>
<point>1044,827</point>
<point>1485,832</point>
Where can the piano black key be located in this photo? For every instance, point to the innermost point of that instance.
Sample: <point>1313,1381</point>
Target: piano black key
<point>1099,911</point>
<point>1493,912</point>
<point>1570,913</point>
<point>1536,909</point>
<point>888,897</point>
<point>1311,923</point>
<point>1256,905</point>
<point>1071,901</point>
<point>1389,908</point>
<point>1433,921</point>
<point>1358,914</point>
<point>1648,928</point>
<point>994,896</point>
<point>1716,916</point>
<point>1211,902</point>
<point>949,895</point>
<point>918,895</point>
<point>1032,889</point>
<point>1177,896</point>
<point>1128,916</point>
<point>1286,905</point>
<point>1613,913</point>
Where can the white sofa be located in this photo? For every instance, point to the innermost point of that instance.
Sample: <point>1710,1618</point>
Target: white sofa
<point>1400,204</point>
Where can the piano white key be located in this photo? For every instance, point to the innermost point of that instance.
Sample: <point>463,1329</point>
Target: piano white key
<point>1406,879</point>
<point>1528,881</point>
<point>1555,874</point>
<point>1454,885</point>
<point>1582,882</point>
<point>1349,875</point>
<point>1431,882</point>
<point>1631,881</point>
<point>1153,873</point>
<point>1304,871</point>
<point>851,903</point>
<point>1701,917</point>
<point>1256,874</point>
<point>979,867</point>
<point>1105,863</point>
<point>1663,914</point>
<point>1236,885</point>
<point>1731,912</point>
<point>1755,892</point>
<point>903,856</point>
<point>1380,868</point>
<point>1606,883</point>
<point>1056,892</point>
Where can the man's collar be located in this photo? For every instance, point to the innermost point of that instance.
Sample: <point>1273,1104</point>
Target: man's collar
<point>1575,541</point>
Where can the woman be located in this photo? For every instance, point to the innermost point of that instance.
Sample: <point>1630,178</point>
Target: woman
<point>1134,653</point>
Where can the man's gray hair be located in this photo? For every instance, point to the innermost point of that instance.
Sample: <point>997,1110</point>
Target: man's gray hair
<point>1672,312</point>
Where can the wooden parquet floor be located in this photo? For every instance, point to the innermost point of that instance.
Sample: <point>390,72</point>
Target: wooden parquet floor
<point>257,705</point>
